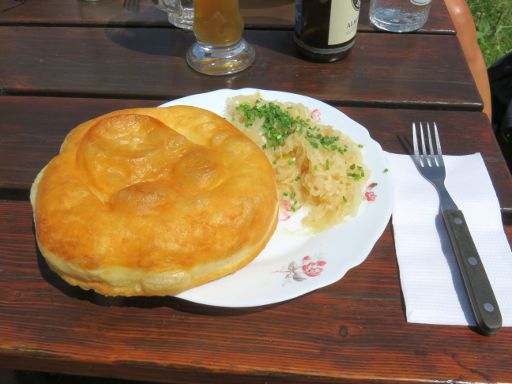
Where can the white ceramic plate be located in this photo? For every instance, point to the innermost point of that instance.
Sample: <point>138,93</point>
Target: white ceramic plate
<point>292,264</point>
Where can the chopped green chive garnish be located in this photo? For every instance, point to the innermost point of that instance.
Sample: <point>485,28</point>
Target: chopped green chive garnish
<point>279,124</point>
<point>355,175</point>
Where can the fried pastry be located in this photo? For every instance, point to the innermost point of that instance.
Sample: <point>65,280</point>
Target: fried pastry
<point>153,201</point>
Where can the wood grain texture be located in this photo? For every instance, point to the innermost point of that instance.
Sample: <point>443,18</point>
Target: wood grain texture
<point>410,71</point>
<point>351,331</point>
<point>31,133</point>
<point>63,62</point>
<point>258,14</point>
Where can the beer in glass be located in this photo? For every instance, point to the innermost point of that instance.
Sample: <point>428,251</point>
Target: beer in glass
<point>218,22</point>
<point>220,48</point>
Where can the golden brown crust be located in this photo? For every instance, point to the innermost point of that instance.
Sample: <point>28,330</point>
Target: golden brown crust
<point>153,201</point>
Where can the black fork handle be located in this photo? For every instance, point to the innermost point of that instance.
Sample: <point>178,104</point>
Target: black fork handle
<point>481,296</point>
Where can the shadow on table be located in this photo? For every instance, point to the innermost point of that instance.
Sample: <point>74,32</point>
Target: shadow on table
<point>77,293</point>
<point>148,34</point>
<point>174,42</point>
<point>152,41</point>
<point>34,377</point>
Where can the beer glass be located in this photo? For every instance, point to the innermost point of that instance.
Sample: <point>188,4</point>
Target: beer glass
<point>220,48</point>
<point>179,12</point>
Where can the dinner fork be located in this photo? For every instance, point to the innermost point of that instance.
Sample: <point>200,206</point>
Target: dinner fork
<point>481,296</point>
<point>131,5</point>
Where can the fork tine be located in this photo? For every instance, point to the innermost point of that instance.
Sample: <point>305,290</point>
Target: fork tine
<point>415,144</point>
<point>438,144</point>
<point>423,147</point>
<point>131,5</point>
<point>432,156</point>
<point>430,146</point>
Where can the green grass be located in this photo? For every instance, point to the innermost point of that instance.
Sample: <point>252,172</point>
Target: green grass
<point>493,19</point>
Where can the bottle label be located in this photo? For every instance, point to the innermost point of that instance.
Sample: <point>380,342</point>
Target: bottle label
<point>421,2</point>
<point>343,20</point>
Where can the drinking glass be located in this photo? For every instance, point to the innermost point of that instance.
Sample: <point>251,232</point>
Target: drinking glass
<point>179,12</point>
<point>220,48</point>
<point>399,15</point>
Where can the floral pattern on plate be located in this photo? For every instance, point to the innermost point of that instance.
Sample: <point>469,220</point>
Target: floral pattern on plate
<point>308,267</point>
<point>369,194</point>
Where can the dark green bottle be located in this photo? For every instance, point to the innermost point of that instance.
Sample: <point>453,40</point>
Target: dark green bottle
<point>325,30</point>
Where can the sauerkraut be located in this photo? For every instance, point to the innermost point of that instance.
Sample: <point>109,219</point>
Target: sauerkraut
<point>317,167</point>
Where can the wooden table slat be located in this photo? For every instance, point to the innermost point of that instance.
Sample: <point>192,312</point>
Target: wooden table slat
<point>148,63</point>
<point>31,133</point>
<point>258,14</point>
<point>48,325</point>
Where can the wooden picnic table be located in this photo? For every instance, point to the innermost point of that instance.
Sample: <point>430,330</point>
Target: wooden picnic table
<point>64,61</point>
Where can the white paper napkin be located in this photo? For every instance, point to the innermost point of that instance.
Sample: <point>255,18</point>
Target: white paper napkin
<point>431,282</point>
